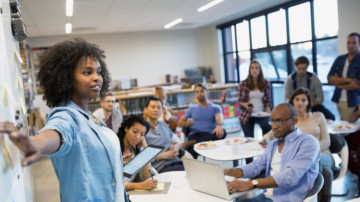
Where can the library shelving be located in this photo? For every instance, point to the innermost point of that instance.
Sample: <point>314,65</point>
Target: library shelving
<point>225,95</point>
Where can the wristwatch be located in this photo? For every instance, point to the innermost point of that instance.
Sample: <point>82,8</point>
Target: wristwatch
<point>255,183</point>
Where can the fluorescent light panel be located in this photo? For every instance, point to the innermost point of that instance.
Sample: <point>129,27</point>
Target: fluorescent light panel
<point>68,28</point>
<point>209,5</point>
<point>171,24</point>
<point>69,7</point>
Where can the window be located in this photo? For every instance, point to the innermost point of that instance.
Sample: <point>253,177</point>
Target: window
<point>277,28</point>
<point>300,23</point>
<point>258,32</point>
<point>277,36</point>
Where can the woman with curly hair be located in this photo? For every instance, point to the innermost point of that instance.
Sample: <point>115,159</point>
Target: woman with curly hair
<point>86,155</point>
<point>131,135</point>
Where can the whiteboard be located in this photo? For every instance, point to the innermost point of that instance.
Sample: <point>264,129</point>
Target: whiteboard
<point>16,182</point>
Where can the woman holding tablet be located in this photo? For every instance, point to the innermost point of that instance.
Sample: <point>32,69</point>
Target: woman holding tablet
<point>131,135</point>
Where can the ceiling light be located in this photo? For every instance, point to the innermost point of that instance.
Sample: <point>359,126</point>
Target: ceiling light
<point>68,28</point>
<point>177,21</point>
<point>211,4</point>
<point>69,7</point>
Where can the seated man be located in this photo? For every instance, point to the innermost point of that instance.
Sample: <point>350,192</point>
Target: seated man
<point>353,141</point>
<point>290,162</point>
<point>206,123</point>
<point>160,134</point>
<point>304,79</point>
<point>110,116</point>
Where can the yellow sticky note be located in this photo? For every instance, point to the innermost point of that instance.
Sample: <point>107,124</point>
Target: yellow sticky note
<point>6,96</point>
<point>18,56</point>
<point>160,187</point>
<point>18,82</point>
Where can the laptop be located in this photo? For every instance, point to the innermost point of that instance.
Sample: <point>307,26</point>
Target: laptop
<point>208,178</point>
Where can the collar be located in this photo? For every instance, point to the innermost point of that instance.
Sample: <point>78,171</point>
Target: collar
<point>72,104</point>
<point>291,136</point>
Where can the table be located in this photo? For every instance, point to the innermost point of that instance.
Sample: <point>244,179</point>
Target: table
<point>223,151</point>
<point>179,190</point>
<point>341,127</point>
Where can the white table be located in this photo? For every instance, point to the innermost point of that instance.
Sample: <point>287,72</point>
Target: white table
<point>345,129</point>
<point>179,190</point>
<point>223,151</point>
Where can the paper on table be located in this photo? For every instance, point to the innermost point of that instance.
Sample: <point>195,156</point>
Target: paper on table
<point>160,187</point>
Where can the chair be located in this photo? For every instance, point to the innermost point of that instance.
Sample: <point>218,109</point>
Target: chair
<point>313,193</point>
<point>339,146</point>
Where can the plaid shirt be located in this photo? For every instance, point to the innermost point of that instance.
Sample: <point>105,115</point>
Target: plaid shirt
<point>244,92</point>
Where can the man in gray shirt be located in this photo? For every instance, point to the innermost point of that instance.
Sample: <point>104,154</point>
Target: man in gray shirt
<point>304,79</point>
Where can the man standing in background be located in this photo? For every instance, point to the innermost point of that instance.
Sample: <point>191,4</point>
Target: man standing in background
<point>108,114</point>
<point>304,79</point>
<point>345,75</point>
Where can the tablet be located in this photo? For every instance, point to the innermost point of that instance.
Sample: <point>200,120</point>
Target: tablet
<point>141,159</point>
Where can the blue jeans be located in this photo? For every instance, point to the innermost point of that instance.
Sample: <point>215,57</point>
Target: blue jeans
<point>248,128</point>
<point>258,198</point>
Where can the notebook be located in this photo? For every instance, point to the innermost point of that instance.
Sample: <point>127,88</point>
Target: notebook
<point>208,178</point>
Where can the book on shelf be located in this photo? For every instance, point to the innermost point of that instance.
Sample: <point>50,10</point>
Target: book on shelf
<point>222,96</point>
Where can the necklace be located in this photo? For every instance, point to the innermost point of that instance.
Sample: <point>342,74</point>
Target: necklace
<point>95,120</point>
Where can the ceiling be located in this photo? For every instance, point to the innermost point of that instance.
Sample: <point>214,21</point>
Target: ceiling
<point>47,17</point>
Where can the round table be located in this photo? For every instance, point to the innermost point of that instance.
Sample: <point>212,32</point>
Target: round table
<point>224,152</point>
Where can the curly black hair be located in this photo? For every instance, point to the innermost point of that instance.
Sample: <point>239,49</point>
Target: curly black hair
<point>58,63</point>
<point>127,123</point>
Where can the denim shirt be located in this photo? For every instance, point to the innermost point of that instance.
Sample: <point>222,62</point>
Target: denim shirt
<point>84,164</point>
<point>353,72</point>
<point>299,166</point>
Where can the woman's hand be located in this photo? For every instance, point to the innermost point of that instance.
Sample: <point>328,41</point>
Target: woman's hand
<point>246,105</point>
<point>22,141</point>
<point>126,158</point>
<point>148,184</point>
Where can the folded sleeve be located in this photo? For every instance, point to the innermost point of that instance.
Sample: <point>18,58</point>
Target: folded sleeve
<point>66,125</point>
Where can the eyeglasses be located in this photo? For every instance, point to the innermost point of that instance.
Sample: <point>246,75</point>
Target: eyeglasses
<point>109,101</point>
<point>278,122</point>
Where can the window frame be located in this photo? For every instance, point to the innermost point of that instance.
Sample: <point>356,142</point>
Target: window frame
<point>268,48</point>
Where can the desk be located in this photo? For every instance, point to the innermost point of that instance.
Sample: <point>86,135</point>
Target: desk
<point>179,190</point>
<point>223,151</point>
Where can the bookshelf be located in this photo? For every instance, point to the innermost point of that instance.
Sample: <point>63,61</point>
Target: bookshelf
<point>225,95</point>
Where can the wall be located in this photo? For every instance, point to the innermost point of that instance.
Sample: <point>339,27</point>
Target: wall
<point>349,15</point>
<point>148,56</point>
<point>16,182</point>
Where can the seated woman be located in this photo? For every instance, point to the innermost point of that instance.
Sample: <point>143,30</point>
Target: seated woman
<point>131,135</point>
<point>314,124</point>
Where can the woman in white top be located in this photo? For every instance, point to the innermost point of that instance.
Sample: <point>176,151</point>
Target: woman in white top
<point>255,101</point>
<point>314,124</point>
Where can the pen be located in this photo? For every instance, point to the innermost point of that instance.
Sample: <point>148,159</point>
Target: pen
<point>151,175</point>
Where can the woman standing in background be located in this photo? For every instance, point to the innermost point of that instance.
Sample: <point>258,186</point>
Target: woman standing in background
<point>255,101</point>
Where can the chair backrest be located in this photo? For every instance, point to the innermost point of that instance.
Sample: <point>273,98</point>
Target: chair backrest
<point>339,146</point>
<point>318,184</point>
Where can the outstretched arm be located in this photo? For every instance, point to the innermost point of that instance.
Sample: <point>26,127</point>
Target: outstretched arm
<point>47,142</point>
